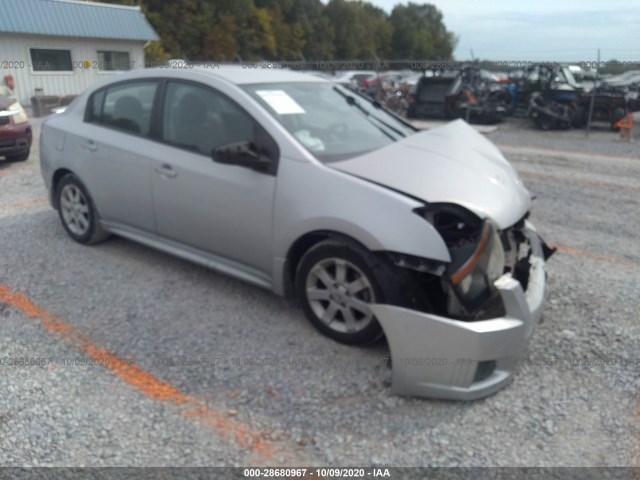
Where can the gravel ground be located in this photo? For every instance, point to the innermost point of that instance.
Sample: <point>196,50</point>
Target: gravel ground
<point>575,402</point>
<point>521,132</point>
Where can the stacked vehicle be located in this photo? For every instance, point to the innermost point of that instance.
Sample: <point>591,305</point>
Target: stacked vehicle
<point>470,93</point>
<point>551,96</point>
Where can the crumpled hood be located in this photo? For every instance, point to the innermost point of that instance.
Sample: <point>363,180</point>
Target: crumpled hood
<point>453,164</point>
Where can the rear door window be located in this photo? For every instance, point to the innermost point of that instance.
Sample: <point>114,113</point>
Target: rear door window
<point>125,106</point>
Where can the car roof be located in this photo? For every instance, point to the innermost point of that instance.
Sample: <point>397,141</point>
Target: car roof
<point>234,74</point>
<point>252,73</point>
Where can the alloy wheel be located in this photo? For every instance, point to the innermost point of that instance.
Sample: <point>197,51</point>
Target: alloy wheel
<point>338,293</point>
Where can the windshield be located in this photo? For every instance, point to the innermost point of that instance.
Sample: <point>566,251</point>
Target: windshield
<point>330,121</point>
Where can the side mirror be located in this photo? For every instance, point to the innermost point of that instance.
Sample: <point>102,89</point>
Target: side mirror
<point>244,154</point>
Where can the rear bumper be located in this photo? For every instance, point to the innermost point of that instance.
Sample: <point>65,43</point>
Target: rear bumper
<point>434,356</point>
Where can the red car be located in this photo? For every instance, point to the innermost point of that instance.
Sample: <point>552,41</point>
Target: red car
<point>15,131</point>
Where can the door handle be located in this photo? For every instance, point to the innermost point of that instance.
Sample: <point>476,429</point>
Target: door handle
<point>89,145</point>
<point>166,171</point>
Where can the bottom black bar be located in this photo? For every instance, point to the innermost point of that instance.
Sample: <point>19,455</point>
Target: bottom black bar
<point>292,473</point>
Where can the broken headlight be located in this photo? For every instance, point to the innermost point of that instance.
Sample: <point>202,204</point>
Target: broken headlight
<point>477,254</point>
<point>472,276</point>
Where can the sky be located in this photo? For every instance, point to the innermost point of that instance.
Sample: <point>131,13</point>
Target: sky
<point>545,30</point>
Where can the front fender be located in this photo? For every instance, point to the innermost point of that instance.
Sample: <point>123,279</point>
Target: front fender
<point>311,197</point>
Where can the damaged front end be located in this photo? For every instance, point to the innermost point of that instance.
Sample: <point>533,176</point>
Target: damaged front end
<point>466,335</point>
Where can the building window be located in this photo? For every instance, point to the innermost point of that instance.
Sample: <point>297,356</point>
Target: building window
<point>113,60</point>
<point>50,60</point>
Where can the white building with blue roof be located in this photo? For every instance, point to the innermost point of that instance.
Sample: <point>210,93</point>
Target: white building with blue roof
<point>60,47</point>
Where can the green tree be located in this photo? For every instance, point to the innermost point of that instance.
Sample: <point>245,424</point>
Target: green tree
<point>182,25</point>
<point>317,30</point>
<point>289,36</point>
<point>419,33</point>
<point>259,40</point>
<point>294,29</point>
<point>616,67</point>
<point>342,16</point>
<point>154,53</point>
<point>361,31</point>
<point>220,42</point>
<point>377,31</point>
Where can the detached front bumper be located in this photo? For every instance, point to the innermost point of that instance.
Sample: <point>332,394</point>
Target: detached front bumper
<point>434,356</point>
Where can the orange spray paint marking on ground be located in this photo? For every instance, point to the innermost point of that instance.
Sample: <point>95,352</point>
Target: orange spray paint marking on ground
<point>240,433</point>
<point>21,303</point>
<point>597,256</point>
<point>587,183</point>
<point>135,376</point>
<point>231,429</point>
<point>22,205</point>
<point>15,169</point>
<point>575,153</point>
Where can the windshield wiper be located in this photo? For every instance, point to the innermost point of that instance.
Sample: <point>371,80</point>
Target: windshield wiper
<point>352,102</point>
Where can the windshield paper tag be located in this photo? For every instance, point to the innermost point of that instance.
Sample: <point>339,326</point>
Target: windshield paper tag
<point>282,103</point>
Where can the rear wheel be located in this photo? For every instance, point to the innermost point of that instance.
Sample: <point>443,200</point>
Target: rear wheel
<point>77,212</point>
<point>336,281</point>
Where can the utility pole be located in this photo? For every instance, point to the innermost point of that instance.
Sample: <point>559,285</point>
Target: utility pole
<point>593,96</point>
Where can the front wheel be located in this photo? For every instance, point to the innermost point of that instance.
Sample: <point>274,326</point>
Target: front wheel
<point>337,281</point>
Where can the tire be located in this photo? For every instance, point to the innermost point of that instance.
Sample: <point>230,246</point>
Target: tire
<point>323,294</point>
<point>76,211</point>
<point>21,157</point>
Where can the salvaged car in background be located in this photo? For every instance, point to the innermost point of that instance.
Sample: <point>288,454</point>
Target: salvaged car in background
<point>471,93</point>
<point>15,131</point>
<point>304,187</point>
<point>551,96</point>
<point>624,82</point>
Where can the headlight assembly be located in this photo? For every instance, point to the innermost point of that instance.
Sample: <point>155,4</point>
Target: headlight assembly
<point>473,278</point>
<point>18,113</point>
<point>477,253</point>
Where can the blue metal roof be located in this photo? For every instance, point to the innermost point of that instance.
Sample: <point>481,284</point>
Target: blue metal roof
<point>72,18</point>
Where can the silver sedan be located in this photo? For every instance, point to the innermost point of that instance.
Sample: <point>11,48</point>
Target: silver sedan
<point>304,187</point>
